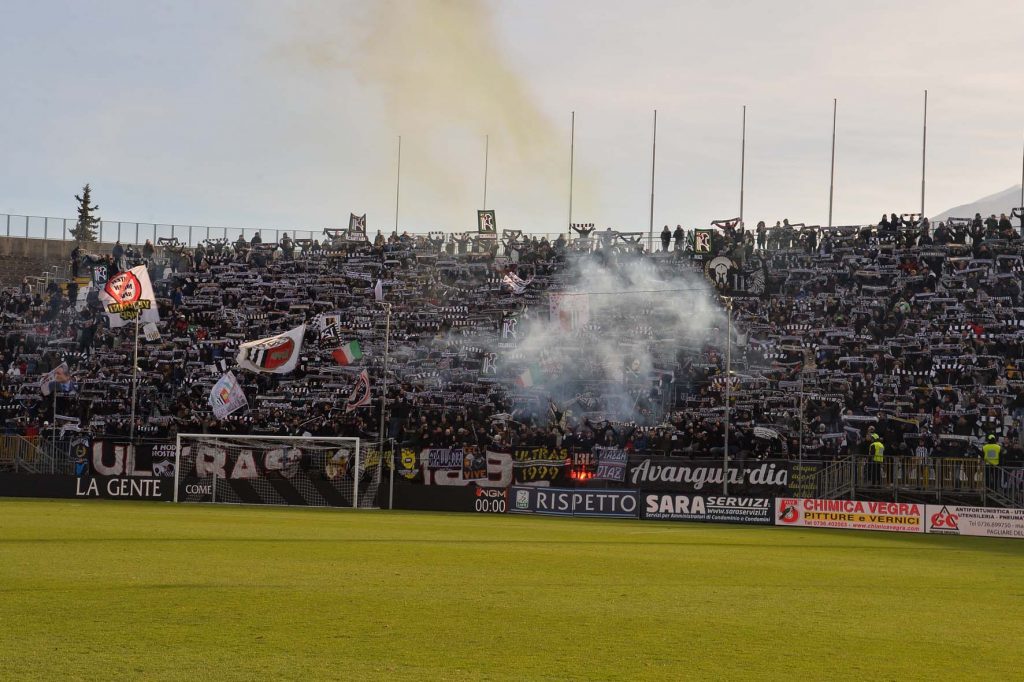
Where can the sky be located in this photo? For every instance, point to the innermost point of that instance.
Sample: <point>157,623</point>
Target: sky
<point>287,114</point>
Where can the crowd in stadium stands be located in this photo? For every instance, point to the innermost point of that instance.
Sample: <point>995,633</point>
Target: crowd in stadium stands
<point>908,330</point>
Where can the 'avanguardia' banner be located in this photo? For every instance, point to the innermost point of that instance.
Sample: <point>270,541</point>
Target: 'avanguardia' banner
<point>709,476</point>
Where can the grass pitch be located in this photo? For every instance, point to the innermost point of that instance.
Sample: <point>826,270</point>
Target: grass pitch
<point>116,590</point>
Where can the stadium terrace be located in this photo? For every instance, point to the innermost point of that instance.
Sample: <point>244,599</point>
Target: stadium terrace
<point>590,359</point>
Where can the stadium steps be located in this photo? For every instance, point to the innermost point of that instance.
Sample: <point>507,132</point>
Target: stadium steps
<point>13,269</point>
<point>20,454</point>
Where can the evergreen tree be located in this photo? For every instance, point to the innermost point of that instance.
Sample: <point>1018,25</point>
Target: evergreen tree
<point>85,229</point>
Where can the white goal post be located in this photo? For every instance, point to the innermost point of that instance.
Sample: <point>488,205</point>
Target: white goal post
<point>315,471</point>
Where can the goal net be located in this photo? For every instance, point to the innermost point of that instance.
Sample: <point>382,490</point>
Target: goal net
<point>285,470</point>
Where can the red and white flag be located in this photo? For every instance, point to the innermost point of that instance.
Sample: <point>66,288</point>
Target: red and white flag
<point>360,392</point>
<point>128,295</point>
<point>274,354</point>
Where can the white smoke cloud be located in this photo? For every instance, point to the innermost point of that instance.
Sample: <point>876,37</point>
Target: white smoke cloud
<point>627,322</point>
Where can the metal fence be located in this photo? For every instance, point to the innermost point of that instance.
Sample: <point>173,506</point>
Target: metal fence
<point>109,231</point>
<point>920,475</point>
<point>36,455</point>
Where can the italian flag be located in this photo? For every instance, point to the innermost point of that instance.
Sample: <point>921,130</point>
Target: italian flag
<point>348,353</point>
<point>526,379</point>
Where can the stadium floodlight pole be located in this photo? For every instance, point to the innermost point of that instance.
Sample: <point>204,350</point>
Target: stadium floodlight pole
<point>728,392</point>
<point>654,156</point>
<point>743,161</point>
<point>398,181</point>
<point>384,402</point>
<point>572,161</point>
<point>487,152</point>
<point>924,148</point>
<point>832,173</point>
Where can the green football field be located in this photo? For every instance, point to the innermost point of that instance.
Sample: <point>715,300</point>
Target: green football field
<point>117,590</point>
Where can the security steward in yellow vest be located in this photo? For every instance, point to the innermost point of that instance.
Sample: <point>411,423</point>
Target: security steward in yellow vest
<point>991,451</point>
<point>876,455</point>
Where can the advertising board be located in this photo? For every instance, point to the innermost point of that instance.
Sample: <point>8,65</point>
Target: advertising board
<point>991,522</point>
<point>621,504</point>
<point>850,514</point>
<point>491,500</point>
<point>713,508</point>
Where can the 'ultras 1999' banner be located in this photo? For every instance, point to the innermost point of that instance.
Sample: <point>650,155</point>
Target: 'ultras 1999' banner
<point>621,504</point>
<point>716,509</point>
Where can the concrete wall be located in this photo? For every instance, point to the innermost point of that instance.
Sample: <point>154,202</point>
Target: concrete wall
<point>22,257</point>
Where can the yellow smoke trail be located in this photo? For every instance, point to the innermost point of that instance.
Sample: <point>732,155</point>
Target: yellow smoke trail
<point>443,82</point>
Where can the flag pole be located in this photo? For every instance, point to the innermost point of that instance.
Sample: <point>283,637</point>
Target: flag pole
<point>832,173</point>
<point>572,160</point>
<point>135,373</point>
<point>728,393</point>
<point>53,424</point>
<point>398,181</point>
<point>1022,195</point>
<point>487,151</point>
<point>924,147</point>
<point>384,401</point>
<point>743,161</point>
<point>654,154</point>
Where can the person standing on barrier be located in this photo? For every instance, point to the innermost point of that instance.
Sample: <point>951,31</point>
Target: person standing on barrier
<point>991,451</point>
<point>876,454</point>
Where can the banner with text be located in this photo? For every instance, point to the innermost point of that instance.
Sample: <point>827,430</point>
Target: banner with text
<point>717,509</point>
<point>990,522</point>
<point>575,502</point>
<point>851,514</point>
<point>671,475</point>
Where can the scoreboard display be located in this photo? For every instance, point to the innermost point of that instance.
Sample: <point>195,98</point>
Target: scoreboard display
<point>491,500</point>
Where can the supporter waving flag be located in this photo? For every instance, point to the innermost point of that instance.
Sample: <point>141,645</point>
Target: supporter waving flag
<point>515,283</point>
<point>127,295</point>
<point>57,380</point>
<point>360,393</point>
<point>227,396</point>
<point>274,354</point>
<point>348,353</point>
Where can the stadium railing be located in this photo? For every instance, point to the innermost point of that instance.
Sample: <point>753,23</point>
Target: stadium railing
<point>21,454</point>
<point>921,474</point>
<point>1005,486</point>
<point>128,232</point>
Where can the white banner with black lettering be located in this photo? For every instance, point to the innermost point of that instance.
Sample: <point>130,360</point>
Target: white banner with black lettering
<point>991,522</point>
<point>621,504</point>
<point>713,508</point>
